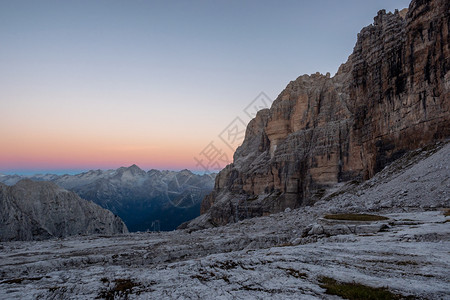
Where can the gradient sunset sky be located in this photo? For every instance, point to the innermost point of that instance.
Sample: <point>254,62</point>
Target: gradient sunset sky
<point>103,84</point>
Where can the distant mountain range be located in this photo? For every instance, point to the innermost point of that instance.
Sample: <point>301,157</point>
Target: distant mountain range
<point>32,210</point>
<point>153,200</point>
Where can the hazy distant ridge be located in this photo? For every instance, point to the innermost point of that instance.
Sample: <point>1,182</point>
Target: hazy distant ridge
<point>144,200</point>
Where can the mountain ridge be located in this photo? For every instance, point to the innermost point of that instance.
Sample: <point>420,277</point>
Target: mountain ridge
<point>391,96</point>
<point>33,210</point>
<point>140,198</point>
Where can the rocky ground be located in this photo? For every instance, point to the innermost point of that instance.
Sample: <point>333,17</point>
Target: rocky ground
<point>287,255</point>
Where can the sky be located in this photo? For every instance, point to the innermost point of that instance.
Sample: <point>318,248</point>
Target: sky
<point>161,84</point>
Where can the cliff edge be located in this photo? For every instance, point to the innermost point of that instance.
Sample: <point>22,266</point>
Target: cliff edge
<point>391,96</point>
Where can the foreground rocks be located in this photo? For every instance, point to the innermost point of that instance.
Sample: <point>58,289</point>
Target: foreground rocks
<point>40,210</point>
<point>391,96</point>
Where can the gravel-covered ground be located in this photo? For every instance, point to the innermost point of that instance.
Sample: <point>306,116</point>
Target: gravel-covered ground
<point>278,256</point>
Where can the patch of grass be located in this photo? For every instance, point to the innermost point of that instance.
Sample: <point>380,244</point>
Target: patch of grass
<point>122,288</point>
<point>357,291</point>
<point>355,217</point>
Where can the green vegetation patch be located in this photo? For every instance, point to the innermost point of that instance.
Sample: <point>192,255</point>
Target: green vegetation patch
<point>355,217</point>
<point>357,291</point>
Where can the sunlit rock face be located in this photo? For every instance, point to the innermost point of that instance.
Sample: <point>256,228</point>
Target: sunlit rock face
<point>40,210</point>
<point>392,95</point>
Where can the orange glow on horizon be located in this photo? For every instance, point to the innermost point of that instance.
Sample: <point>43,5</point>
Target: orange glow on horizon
<point>54,151</point>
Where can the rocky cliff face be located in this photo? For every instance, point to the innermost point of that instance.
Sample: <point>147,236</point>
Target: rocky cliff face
<point>392,95</point>
<point>39,210</point>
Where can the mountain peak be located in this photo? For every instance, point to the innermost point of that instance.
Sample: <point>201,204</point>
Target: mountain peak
<point>134,167</point>
<point>186,172</point>
<point>321,131</point>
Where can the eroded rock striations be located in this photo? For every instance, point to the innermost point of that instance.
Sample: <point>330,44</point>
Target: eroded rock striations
<point>391,96</point>
<point>40,210</point>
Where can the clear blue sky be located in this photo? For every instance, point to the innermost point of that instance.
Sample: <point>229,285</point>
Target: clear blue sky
<point>98,84</point>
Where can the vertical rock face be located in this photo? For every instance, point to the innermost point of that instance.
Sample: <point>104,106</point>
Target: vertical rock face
<point>39,210</point>
<point>392,95</point>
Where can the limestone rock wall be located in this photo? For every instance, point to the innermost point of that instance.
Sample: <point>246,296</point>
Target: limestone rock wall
<point>391,96</point>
